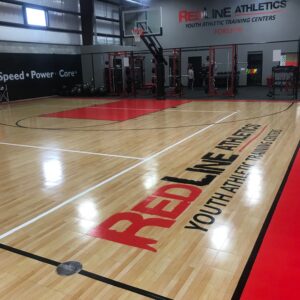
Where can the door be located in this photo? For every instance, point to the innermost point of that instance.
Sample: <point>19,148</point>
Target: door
<point>254,70</point>
<point>196,62</point>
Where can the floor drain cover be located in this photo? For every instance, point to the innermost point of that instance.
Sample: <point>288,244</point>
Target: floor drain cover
<point>69,268</point>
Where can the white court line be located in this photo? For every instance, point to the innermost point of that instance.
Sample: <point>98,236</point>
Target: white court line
<point>185,110</point>
<point>71,151</point>
<point>70,200</point>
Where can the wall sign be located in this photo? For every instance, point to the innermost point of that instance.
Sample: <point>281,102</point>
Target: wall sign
<point>37,75</point>
<point>230,19</point>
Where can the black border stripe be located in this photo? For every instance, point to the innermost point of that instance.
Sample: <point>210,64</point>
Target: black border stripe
<point>251,260</point>
<point>29,255</point>
<point>88,274</point>
<point>123,286</point>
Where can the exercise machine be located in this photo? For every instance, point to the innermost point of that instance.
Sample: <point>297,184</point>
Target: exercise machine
<point>229,76</point>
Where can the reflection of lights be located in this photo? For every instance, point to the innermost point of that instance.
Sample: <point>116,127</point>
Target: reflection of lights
<point>87,225</point>
<point>219,236</point>
<point>53,172</point>
<point>254,186</point>
<point>150,181</point>
<point>87,210</point>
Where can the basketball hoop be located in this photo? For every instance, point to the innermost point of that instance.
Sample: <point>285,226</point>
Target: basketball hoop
<point>137,33</point>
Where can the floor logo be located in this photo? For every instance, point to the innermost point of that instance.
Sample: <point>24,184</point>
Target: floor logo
<point>167,203</point>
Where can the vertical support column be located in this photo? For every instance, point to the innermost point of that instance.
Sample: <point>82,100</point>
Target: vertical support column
<point>132,71</point>
<point>211,71</point>
<point>93,70</point>
<point>174,69</point>
<point>235,70</point>
<point>179,73</point>
<point>121,25</point>
<point>87,21</point>
<point>110,72</point>
<point>232,91</point>
<point>160,73</point>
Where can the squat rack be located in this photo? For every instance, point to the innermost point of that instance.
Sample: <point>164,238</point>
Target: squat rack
<point>231,87</point>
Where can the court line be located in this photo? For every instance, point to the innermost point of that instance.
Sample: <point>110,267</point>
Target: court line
<point>70,151</point>
<point>150,109</point>
<point>253,138</point>
<point>85,273</point>
<point>72,199</point>
<point>185,110</point>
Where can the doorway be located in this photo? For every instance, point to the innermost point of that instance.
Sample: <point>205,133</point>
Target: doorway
<point>196,62</point>
<point>254,70</point>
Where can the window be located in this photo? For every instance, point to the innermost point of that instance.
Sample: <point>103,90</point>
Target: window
<point>36,17</point>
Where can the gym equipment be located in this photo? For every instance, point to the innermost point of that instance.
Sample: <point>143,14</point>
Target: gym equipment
<point>120,73</point>
<point>284,79</point>
<point>124,73</point>
<point>230,74</point>
<point>4,93</point>
<point>175,72</point>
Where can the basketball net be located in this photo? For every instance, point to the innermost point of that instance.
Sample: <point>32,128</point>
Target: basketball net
<point>137,33</point>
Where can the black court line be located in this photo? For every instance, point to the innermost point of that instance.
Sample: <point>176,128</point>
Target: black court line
<point>85,273</point>
<point>18,125</point>
<point>251,260</point>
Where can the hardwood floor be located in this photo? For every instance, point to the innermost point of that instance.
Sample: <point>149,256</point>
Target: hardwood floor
<point>168,204</point>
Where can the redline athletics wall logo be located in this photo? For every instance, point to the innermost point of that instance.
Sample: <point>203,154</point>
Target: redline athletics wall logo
<point>227,16</point>
<point>182,192</point>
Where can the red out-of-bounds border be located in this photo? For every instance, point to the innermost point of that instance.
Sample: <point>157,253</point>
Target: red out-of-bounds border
<point>273,269</point>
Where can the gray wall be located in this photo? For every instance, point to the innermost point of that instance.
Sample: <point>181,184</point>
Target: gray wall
<point>19,47</point>
<point>280,24</point>
<point>285,26</point>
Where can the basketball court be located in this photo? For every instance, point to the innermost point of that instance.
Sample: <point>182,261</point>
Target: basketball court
<point>148,181</point>
<point>157,159</point>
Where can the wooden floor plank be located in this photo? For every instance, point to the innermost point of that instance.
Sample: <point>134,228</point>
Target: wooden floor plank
<point>188,263</point>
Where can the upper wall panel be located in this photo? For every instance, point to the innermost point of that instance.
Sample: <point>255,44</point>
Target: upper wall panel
<point>70,5</point>
<point>212,22</point>
<point>62,17</point>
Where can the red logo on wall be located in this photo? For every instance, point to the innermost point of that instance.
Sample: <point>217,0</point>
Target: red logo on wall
<point>191,16</point>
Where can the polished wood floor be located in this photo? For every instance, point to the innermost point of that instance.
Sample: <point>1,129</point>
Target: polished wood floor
<point>61,178</point>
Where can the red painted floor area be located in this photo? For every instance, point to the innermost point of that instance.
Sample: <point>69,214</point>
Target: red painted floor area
<point>118,111</point>
<point>276,271</point>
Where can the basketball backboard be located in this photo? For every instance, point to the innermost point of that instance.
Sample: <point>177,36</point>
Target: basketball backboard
<point>149,20</point>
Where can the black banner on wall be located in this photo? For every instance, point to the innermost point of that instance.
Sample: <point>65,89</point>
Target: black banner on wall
<point>37,75</point>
